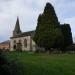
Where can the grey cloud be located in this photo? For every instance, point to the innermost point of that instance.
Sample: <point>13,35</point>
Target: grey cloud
<point>28,11</point>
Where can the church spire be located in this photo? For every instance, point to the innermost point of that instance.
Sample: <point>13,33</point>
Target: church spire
<point>17,29</point>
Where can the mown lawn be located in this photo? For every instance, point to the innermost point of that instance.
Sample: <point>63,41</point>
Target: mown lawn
<point>43,64</point>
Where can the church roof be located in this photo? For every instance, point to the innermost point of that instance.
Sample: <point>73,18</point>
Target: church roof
<point>5,42</point>
<point>29,33</point>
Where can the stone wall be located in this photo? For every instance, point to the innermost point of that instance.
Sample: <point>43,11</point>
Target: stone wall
<point>30,43</point>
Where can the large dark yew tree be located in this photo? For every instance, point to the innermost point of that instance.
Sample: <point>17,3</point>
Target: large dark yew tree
<point>66,30</point>
<point>48,33</point>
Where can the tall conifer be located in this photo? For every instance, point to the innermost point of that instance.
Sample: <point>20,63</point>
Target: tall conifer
<point>48,32</point>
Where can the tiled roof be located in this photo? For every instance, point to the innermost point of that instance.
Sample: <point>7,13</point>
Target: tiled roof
<point>5,42</point>
<point>29,33</point>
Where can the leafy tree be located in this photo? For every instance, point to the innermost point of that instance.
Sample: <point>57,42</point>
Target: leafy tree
<point>48,32</point>
<point>66,30</point>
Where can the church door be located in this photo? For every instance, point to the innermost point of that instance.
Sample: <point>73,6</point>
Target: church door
<point>19,47</point>
<point>14,47</point>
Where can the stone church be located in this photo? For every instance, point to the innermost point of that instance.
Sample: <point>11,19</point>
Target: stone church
<point>22,40</point>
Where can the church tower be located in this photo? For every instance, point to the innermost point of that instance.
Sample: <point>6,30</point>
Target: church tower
<point>17,30</point>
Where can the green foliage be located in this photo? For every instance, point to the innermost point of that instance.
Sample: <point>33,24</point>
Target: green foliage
<point>48,32</point>
<point>59,39</point>
<point>4,68</point>
<point>9,67</point>
<point>66,30</point>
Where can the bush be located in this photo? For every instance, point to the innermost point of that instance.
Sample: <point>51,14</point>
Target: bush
<point>4,67</point>
<point>9,67</point>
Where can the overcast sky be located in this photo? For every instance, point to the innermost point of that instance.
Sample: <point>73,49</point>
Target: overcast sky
<point>28,11</point>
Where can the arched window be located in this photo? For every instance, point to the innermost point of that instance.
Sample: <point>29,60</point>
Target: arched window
<point>25,42</point>
<point>19,41</point>
<point>14,41</point>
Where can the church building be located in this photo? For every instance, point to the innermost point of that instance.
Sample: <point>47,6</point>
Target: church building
<point>22,40</point>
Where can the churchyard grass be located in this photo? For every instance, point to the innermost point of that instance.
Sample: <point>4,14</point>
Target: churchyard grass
<point>44,64</point>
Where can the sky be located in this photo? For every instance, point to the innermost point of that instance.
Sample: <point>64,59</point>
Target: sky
<point>28,12</point>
